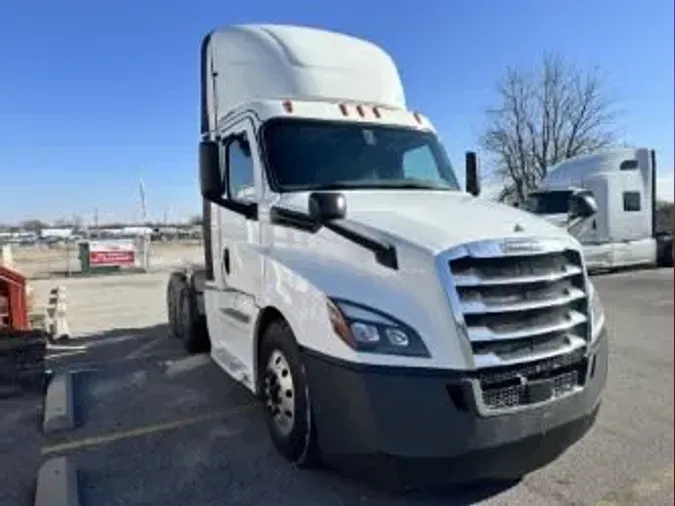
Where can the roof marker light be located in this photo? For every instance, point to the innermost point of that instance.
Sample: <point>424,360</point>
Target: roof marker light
<point>288,106</point>
<point>417,117</point>
<point>343,109</point>
<point>359,109</point>
<point>376,112</point>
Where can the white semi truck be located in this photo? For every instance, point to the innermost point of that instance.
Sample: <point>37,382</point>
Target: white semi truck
<point>623,183</point>
<point>385,317</point>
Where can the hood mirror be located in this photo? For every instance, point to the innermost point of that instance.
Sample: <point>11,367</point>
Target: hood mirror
<point>328,206</point>
<point>582,205</point>
<point>472,175</point>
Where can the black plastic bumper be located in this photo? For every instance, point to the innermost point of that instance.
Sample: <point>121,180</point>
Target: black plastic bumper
<point>404,426</point>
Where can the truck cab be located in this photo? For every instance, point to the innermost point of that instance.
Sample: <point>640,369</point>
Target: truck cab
<point>385,317</point>
<point>622,181</point>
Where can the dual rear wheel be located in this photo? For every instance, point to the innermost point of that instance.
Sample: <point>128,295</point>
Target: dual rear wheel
<point>185,321</point>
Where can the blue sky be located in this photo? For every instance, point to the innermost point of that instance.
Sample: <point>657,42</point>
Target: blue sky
<point>95,95</point>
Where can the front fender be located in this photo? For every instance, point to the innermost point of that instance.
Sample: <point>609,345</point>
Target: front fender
<point>297,282</point>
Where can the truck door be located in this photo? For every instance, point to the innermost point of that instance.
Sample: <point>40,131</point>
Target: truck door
<point>232,304</point>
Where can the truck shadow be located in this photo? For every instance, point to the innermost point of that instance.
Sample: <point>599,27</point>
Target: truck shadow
<point>116,357</point>
<point>462,496</point>
<point>113,347</point>
<point>447,495</point>
<point>459,495</point>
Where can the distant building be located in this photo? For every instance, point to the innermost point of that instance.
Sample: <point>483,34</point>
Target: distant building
<point>56,233</point>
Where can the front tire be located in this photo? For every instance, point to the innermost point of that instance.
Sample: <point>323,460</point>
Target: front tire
<point>285,393</point>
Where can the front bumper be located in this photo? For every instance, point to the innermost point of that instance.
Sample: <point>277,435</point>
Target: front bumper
<point>386,423</point>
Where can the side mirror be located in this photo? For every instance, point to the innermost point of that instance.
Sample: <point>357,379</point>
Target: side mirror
<point>472,176</point>
<point>582,205</point>
<point>210,177</point>
<point>325,207</point>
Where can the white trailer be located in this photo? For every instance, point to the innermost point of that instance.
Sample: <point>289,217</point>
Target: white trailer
<point>385,317</point>
<point>623,183</point>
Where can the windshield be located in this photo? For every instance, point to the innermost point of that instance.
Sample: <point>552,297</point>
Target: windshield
<point>555,202</point>
<point>315,155</point>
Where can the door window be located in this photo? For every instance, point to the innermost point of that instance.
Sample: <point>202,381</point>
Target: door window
<point>240,182</point>
<point>629,165</point>
<point>631,201</point>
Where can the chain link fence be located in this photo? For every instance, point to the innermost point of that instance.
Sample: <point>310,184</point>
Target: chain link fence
<point>47,261</point>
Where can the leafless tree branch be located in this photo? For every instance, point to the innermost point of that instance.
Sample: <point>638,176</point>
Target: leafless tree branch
<point>544,118</point>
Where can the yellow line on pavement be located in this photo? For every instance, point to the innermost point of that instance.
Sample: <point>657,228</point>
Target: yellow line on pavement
<point>146,347</point>
<point>142,431</point>
<point>640,490</point>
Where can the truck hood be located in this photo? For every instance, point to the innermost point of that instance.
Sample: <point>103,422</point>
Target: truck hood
<point>559,220</point>
<point>435,220</point>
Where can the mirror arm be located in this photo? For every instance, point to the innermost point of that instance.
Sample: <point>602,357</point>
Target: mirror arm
<point>385,253</point>
<point>248,209</point>
<point>575,225</point>
<point>293,219</point>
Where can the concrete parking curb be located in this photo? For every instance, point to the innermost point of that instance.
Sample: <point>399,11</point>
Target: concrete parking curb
<point>57,484</point>
<point>59,408</point>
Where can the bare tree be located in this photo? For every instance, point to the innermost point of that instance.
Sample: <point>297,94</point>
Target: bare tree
<point>33,225</point>
<point>665,217</point>
<point>195,220</point>
<point>544,118</point>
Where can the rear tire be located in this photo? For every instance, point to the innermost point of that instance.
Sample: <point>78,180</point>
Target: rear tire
<point>172,303</point>
<point>285,393</point>
<point>188,325</point>
<point>665,251</point>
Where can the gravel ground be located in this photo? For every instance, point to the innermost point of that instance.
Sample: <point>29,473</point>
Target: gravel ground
<point>158,428</point>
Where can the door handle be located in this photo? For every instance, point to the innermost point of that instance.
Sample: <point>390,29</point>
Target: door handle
<point>226,260</point>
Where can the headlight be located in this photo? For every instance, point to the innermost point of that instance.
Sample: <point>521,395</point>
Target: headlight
<point>366,329</point>
<point>597,312</point>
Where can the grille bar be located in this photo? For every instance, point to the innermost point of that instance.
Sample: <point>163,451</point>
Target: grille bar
<point>480,307</point>
<point>468,280</point>
<point>566,323</point>
<point>518,304</point>
<point>491,359</point>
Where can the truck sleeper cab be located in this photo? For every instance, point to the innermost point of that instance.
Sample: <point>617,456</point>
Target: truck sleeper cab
<point>622,181</point>
<point>385,317</point>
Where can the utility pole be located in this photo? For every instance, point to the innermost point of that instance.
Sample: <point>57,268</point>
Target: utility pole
<point>144,211</point>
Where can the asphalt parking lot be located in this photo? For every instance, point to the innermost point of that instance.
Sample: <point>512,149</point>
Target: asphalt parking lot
<point>154,427</point>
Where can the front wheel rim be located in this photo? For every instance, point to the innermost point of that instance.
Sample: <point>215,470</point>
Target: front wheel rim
<point>279,393</point>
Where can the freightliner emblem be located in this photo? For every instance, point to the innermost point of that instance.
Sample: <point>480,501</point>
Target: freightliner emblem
<point>515,246</point>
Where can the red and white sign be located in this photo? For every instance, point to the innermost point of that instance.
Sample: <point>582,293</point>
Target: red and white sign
<point>112,253</point>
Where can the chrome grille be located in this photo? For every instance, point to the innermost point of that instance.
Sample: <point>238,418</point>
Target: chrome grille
<point>521,307</point>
